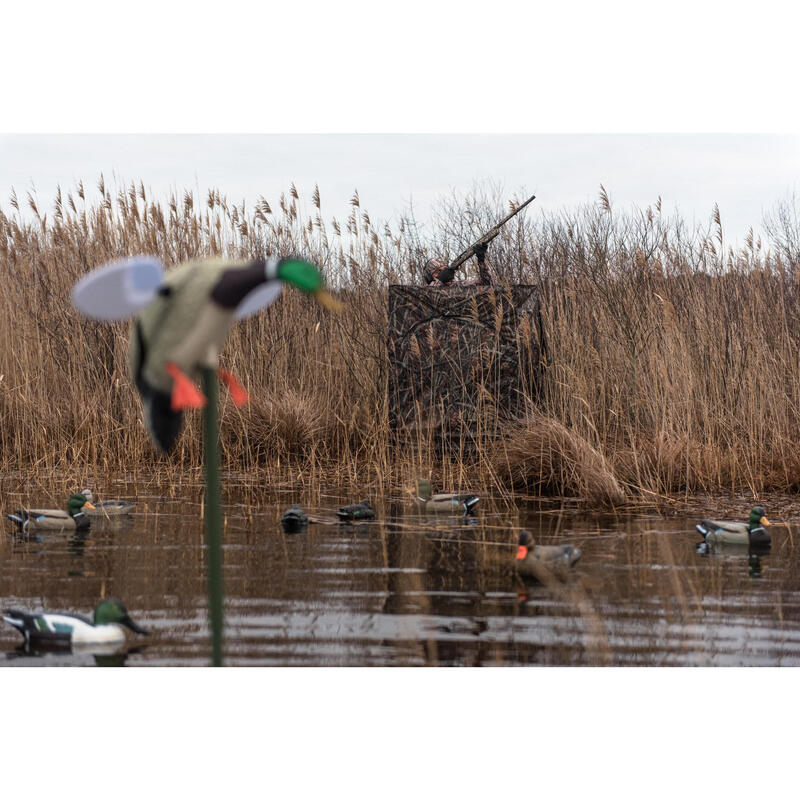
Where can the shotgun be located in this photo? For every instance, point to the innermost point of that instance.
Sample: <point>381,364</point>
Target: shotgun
<point>487,237</point>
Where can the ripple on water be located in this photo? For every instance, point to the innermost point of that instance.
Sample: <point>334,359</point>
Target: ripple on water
<point>412,591</point>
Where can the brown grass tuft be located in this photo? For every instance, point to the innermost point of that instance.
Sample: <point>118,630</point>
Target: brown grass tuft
<point>541,454</point>
<point>288,423</point>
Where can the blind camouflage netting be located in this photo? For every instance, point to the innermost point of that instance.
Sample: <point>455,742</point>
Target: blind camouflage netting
<point>457,352</point>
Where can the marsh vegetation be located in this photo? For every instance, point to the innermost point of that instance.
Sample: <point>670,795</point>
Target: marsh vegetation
<point>673,368</point>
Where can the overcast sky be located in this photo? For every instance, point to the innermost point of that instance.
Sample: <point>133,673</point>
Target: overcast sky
<point>747,174</point>
<point>445,95</point>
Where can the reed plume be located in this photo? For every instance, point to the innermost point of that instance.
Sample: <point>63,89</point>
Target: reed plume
<point>673,364</point>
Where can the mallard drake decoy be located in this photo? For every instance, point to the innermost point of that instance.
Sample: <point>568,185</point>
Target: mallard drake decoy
<point>107,508</point>
<point>294,520</point>
<point>65,630</point>
<point>54,519</point>
<point>183,319</point>
<point>537,561</point>
<point>362,510</point>
<point>753,532</point>
<point>444,503</point>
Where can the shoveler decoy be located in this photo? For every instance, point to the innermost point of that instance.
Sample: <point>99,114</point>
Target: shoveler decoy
<point>294,520</point>
<point>539,561</point>
<point>453,503</point>
<point>66,630</point>
<point>362,510</point>
<point>183,319</point>
<point>54,519</point>
<point>753,532</point>
<point>107,508</point>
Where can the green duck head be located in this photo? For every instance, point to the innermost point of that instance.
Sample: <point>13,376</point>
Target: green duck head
<point>424,490</point>
<point>113,612</point>
<point>76,502</point>
<point>307,278</point>
<point>757,518</point>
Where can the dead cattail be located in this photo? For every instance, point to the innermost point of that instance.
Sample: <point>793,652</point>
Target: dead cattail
<point>605,202</point>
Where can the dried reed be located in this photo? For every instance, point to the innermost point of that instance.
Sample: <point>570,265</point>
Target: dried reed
<point>674,362</point>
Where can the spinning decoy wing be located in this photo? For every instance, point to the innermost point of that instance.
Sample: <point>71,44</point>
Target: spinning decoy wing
<point>259,298</point>
<point>118,289</point>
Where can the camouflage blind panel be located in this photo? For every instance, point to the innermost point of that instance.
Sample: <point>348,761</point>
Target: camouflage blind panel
<point>462,357</point>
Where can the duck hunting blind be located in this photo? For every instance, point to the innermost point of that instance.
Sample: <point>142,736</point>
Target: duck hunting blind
<point>457,351</point>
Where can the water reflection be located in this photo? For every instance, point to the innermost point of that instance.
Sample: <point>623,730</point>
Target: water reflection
<point>408,589</point>
<point>752,554</point>
<point>29,655</point>
<point>754,561</point>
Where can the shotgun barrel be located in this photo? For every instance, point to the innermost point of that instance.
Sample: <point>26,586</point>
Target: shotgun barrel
<point>487,237</point>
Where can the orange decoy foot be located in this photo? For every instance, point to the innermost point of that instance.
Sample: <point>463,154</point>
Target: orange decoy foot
<point>184,393</point>
<point>238,392</point>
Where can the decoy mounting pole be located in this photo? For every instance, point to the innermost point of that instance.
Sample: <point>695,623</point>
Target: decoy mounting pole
<point>213,512</point>
<point>184,317</point>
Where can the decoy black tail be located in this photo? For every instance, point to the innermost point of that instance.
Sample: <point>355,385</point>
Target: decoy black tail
<point>469,504</point>
<point>19,518</point>
<point>21,620</point>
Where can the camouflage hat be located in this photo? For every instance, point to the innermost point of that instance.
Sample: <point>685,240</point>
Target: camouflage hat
<point>436,268</point>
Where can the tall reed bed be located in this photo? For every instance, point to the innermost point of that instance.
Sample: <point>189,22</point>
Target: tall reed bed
<point>674,359</point>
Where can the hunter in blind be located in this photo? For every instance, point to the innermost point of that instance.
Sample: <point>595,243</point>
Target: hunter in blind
<point>439,273</point>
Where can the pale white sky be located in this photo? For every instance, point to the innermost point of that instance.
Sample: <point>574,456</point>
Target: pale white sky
<point>747,174</point>
<point>548,98</point>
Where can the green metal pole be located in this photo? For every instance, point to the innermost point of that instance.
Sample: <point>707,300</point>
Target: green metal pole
<point>213,513</point>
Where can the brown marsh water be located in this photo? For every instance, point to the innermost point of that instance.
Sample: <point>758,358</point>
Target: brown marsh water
<point>410,590</point>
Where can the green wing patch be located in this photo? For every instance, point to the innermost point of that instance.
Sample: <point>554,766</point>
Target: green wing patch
<point>62,627</point>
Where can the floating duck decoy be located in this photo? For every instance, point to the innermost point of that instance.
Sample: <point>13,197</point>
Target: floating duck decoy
<point>67,630</point>
<point>294,520</point>
<point>183,319</point>
<point>538,561</point>
<point>54,519</point>
<point>107,508</point>
<point>474,627</point>
<point>443,503</point>
<point>362,510</point>
<point>753,533</point>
